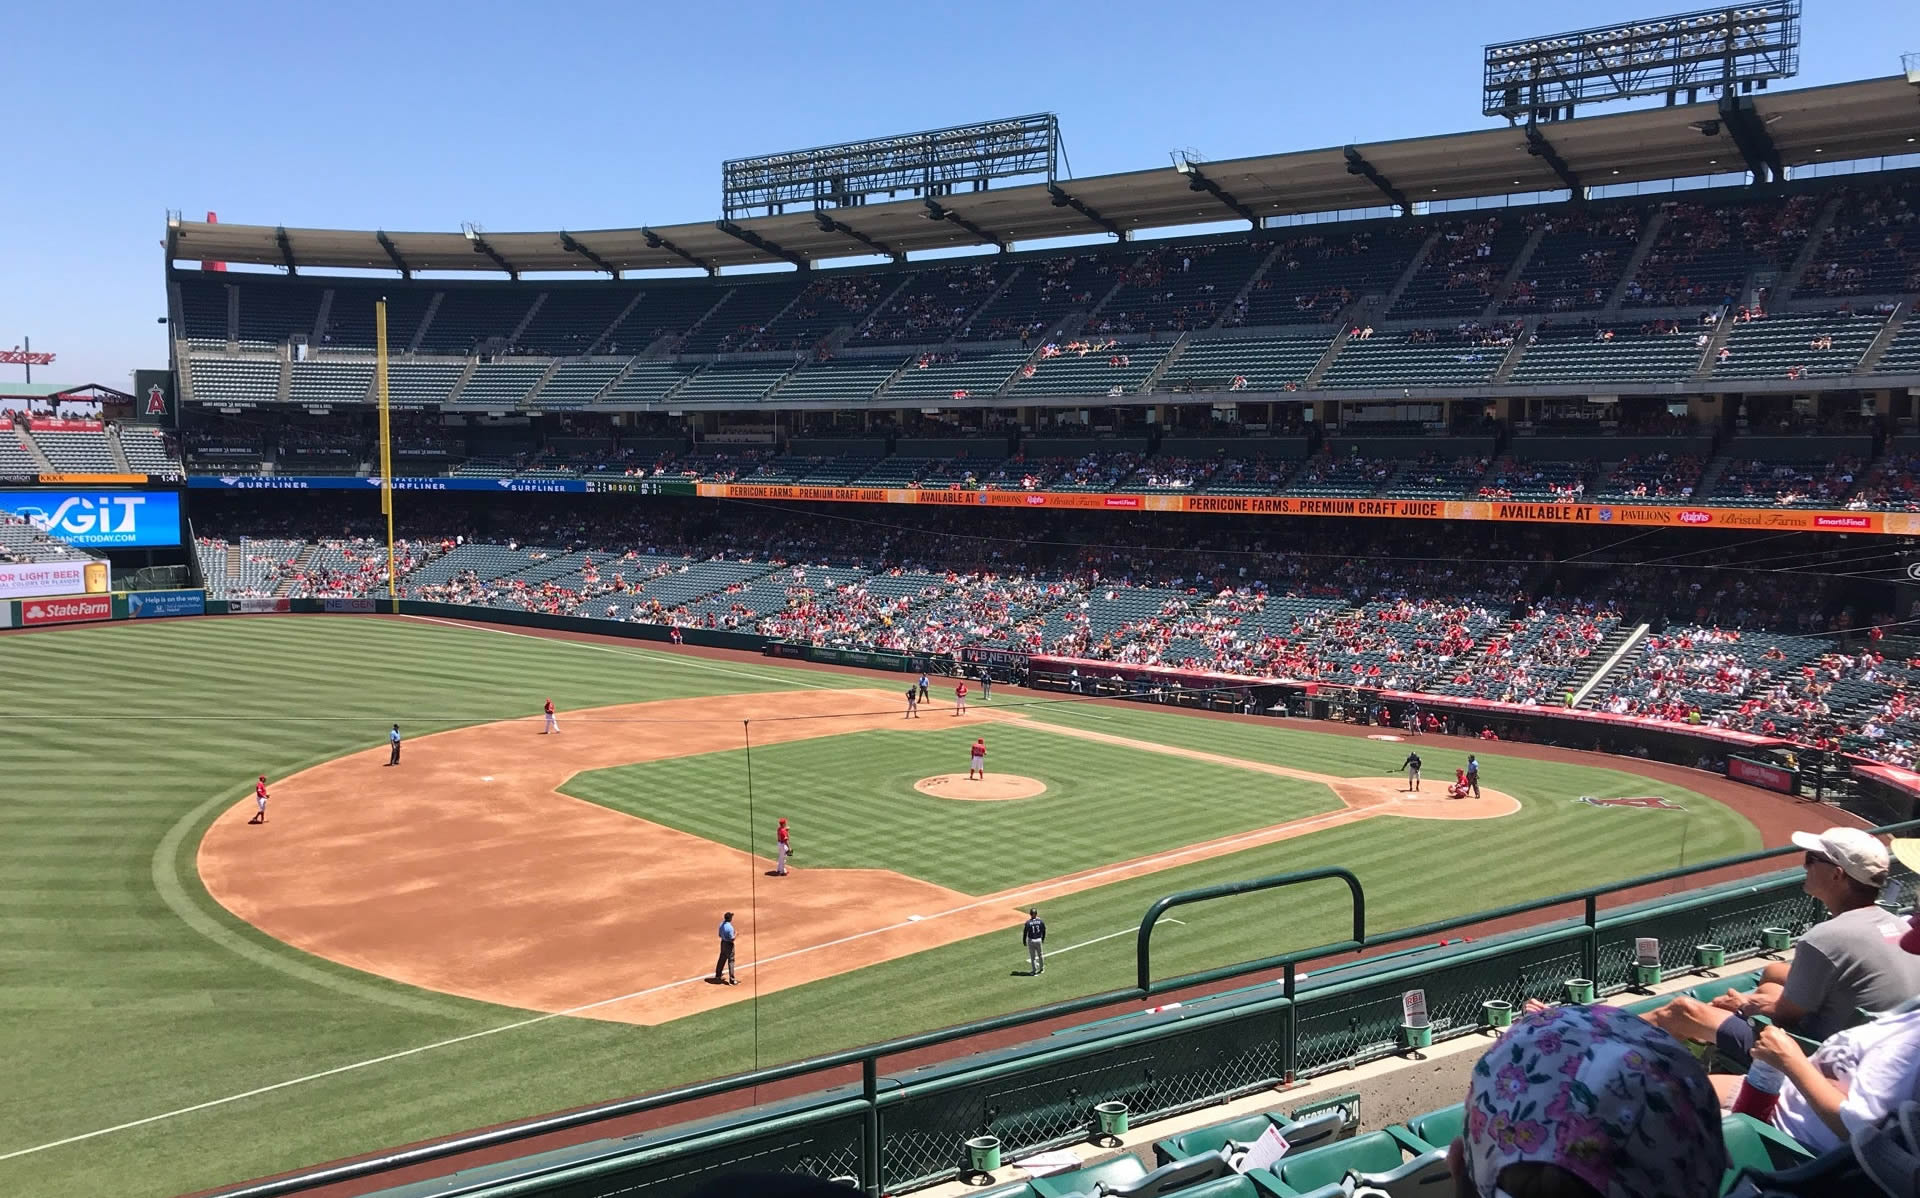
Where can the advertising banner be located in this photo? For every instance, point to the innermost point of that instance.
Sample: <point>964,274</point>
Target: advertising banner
<point>6,613</point>
<point>148,605</point>
<point>77,610</point>
<point>258,606</point>
<point>60,424</point>
<point>27,580</point>
<point>1761,774</point>
<point>346,605</point>
<point>100,519</point>
<point>348,482</point>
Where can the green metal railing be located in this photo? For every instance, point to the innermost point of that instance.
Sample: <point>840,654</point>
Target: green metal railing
<point>897,1132</point>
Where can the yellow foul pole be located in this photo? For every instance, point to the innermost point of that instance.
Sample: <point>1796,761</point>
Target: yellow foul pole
<point>386,443</point>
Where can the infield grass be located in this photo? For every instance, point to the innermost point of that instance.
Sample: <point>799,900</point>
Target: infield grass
<point>130,995</point>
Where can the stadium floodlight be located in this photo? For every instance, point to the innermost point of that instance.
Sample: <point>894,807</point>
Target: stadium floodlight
<point>1911,64</point>
<point>937,162</point>
<point>1736,48</point>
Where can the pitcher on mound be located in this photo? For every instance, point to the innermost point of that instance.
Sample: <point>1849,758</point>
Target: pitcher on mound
<point>977,761</point>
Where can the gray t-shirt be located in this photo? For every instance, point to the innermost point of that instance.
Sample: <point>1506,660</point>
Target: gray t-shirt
<point>1850,961</point>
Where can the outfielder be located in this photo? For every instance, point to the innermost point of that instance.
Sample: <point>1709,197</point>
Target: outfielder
<point>1412,766</point>
<point>260,800</point>
<point>553,724</point>
<point>977,761</point>
<point>960,698</point>
<point>1034,935</point>
<point>785,848</point>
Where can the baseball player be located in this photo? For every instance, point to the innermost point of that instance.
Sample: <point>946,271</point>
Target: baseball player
<point>725,961</point>
<point>977,761</point>
<point>393,746</point>
<point>913,702</point>
<point>1473,775</point>
<point>553,724</point>
<point>785,848</point>
<point>960,698</point>
<point>1412,766</point>
<point>1034,934</point>
<point>260,800</point>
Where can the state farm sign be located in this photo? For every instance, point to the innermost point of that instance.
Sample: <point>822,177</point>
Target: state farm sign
<point>34,612</point>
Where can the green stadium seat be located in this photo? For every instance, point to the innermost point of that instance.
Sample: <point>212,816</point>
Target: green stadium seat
<point>1439,1128</point>
<point>1374,1152</point>
<point>1118,1171</point>
<point>1752,1144</point>
<point>1217,1137</point>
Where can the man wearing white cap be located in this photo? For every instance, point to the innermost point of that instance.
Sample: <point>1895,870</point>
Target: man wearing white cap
<point>1844,964</point>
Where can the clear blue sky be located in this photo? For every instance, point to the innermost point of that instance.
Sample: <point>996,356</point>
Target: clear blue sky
<point>412,115</point>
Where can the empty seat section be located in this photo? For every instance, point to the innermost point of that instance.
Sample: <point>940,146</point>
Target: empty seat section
<point>422,382</point>
<point>577,383</point>
<point>271,313</point>
<point>725,382</point>
<point>664,310</point>
<point>242,380</point>
<point>77,453</point>
<point>350,318</point>
<point>1252,364</point>
<point>956,375</point>
<point>502,382</point>
<point>572,319</point>
<point>1423,358</point>
<point>1578,262</point>
<point>324,382</point>
<point>203,310</point>
<point>471,317</point>
<point>839,381</point>
<point>1902,355</point>
<point>648,381</point>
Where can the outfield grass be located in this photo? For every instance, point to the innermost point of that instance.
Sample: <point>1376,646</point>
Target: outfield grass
<point>852,803</point>
<point>130,994</point>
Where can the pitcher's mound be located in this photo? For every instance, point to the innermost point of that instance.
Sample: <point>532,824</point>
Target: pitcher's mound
<point>993,788</point>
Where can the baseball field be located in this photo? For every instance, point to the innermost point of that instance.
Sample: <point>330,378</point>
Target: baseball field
<point>509,923</point>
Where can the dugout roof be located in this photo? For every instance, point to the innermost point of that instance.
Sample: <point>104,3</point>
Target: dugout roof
<point>1870,118</point>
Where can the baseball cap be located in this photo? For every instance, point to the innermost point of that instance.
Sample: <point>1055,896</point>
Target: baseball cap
<point>1602,1094</point>
<point>1859,854</point>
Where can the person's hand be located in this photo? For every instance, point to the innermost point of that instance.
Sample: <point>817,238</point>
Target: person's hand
<point>1774,1046</point>
<point>1533,1006</point>
<point>1732,1000</point>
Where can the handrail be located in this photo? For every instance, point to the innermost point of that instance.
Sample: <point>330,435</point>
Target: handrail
<point>869,1055</point>
<point>1143,943</point>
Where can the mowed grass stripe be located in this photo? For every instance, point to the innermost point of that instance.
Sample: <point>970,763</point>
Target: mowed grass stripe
<point>852,803</point>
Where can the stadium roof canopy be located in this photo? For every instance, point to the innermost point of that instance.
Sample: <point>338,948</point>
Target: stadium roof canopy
<point>1867,119</point>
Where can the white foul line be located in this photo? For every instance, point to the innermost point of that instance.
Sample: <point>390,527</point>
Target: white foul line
<point>1109,936</point>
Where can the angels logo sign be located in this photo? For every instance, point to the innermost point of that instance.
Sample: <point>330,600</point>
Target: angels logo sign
<point>156,401</point>
<point>1644,802</point>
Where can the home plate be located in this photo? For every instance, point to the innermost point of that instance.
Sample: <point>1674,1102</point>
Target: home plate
<point>915,918</point>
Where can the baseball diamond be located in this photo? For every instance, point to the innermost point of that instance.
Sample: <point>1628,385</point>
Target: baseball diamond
<point>504,909</point>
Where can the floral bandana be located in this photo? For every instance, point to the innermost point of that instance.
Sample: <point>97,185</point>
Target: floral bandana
<point>1601,1093</point>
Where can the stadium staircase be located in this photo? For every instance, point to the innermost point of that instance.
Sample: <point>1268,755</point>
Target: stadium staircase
<point>118,452</point>
<point>540,384</point>
<point>687,333</point>
<point>533,310</point>
<point>317,337</point>
<point>1406,278</point>
<point>1325,363</point>
<point>1816,236</point>
<point>878,306</point>
<point>1166,362</point>
<point>283,386</point>
<point>1504,291</point>
<point>1102,302</point>
<point>466,376</point>
<point>1517,350</point>
<point>606,334</point>
<point>1649,237</point>
<point>33,451</point>
<point>233,315</point>
<point>1708,356</point>
<point>1616,654</point>
<point>987,303</point>
<point>301,561</point>
<point>1246,289</point>
<point>234,558</point>
<point>426,322</point>
<point>1902,312</point>
<point>1710,476</point>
